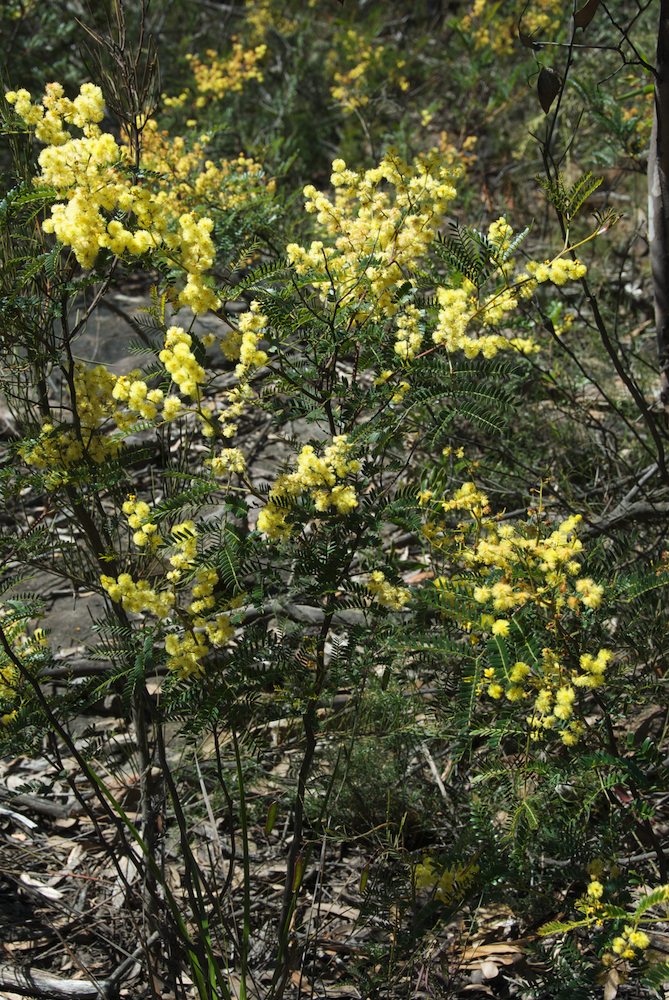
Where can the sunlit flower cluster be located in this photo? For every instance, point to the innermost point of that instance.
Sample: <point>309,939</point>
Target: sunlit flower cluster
<point>228,460</point>
<point>101,204</point>
<point>509,567</point>
<point>59,447</point>
<point>219,75</point>
<point>318,476</point>
<point>138,512</point>
<point>387,594</point>
<point>50,117</point>
<point>252,327</point>
<point>186,177</point>
<point>559,271</point>
<point>138,596</point>
<point>630,944</point>
<point>187,607</point>
<point>550,685</point>
<point>177,357</point>
<point>467,500</point>
<point>187,375</point>
<point>132,390</point>
<point>461,305</point>
<point>377,228</point>
<point>241,345</point>
<point>552,560</point>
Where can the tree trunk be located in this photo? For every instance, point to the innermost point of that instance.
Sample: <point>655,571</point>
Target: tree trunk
<point>658,198</point>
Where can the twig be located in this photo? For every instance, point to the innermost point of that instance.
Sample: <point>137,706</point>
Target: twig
<point>434,772</point>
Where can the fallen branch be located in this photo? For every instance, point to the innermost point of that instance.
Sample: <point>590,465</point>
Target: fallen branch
<point>43,986</point>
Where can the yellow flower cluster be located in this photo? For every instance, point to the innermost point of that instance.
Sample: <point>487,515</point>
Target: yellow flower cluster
<point>633,941</point>
<point>241,345</point>
<point>55,449</point>
<point>60,447</point>
<point>236,399</point>
<point>138,597</point>
<point>187,649</point>
<point>135,393</point>
<point>523,565</point>
<point>317,476</point>
<point>263,15</point>
<point>220,75</point>
<point>409,332</point>
<point>185,178</point>
<point>378,226</point>
<point>629,942</point>
<point>488,28</point>
<point>49,118</point>
<point>228,460</point>
<point>552,561</point>
<point>386,594</point>
<point>552,686</point>
<point>252,326</point>
<point>29,649</point>
<point>180,362</point>
<point>458,307</point>
<point>185,653</point>
<point>559,271</point>
<point>201,626</point>
<point>146,533</point>
<point>205,580</point>
<point>538,570</point>
<point>186,373</point>
<point>185,554</point>
<point>469,498</point>
<point>362,61</point>
<point>438,530</point>
<point>94,184</point>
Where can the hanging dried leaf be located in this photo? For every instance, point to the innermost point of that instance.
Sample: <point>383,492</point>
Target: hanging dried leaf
<point>548,87</point>
<point>584,16</point>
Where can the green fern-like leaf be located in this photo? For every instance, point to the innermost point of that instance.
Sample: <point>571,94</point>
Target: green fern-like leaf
<point>658,897</point>
<point>468,252</point>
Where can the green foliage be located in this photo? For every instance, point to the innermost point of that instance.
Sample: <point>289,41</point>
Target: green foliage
<point>320,526</point>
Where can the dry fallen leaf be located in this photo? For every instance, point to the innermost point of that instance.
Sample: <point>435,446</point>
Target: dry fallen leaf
<point>489,969</point>
<point>47,891</point>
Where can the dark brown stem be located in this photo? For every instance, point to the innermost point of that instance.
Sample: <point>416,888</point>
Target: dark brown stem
<point>658,198</point>
<point>291,890</point>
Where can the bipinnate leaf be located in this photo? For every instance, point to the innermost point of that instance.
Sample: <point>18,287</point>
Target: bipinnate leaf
<point>655,898</point>
<point>656,975</point>
<point>559,927</point>
<point>548,87</point>
<point>584,16</point>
